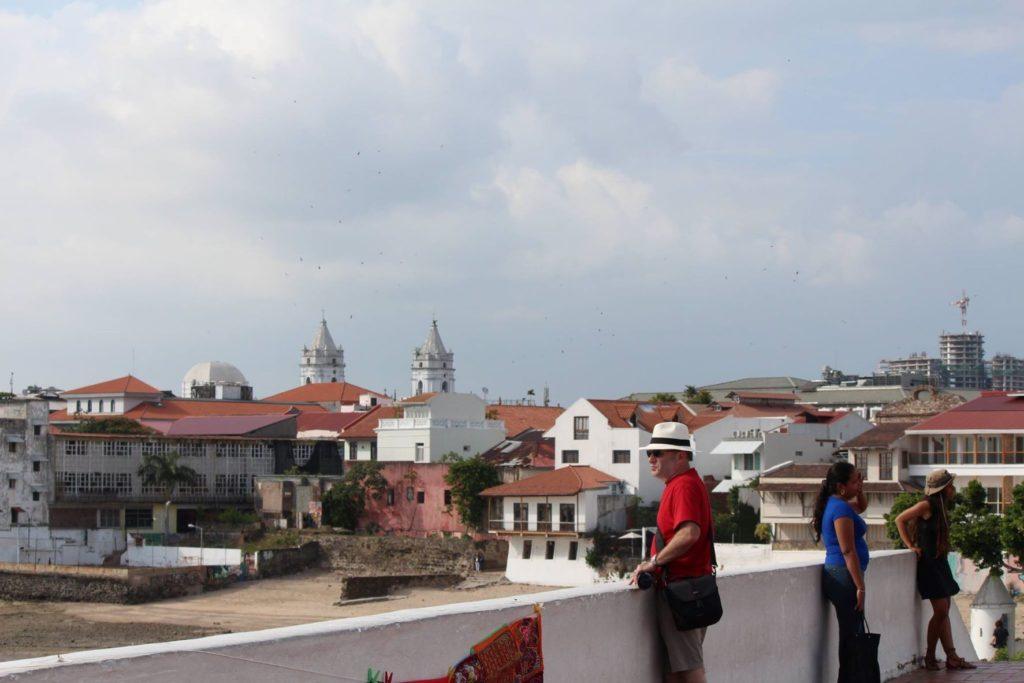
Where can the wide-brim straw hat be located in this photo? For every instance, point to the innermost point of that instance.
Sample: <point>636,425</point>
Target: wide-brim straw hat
<point>669,436</point>
<point>937,480</point>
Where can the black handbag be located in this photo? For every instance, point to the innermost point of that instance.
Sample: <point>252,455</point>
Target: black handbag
<point>694,602</point>
<point>860,657</point>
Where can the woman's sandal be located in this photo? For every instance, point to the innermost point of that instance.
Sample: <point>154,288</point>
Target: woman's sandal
<point>931,664</point>
<point>955,661</point>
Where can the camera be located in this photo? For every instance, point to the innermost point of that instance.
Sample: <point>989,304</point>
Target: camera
<point>644,580</point>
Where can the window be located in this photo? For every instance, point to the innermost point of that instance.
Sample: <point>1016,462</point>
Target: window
<point>581,428</point>
<point>860,461</point>
<point>117,448</point>
<point>14,515</point>
<point>409,493</point>
<point>37,429</point>
<point>12,447</point>
<point>421,496</point>
<point>88,406</point>
<point>109,519</point>
<point>527,549</point>
<point>353,450</point>
<point>447,497</point>
<point>37,466</point>
<point>567,517</point>
<point>573,550</point>
<point>78,406</point>
<point>994,499</point>
<point>113,405</point>
<point>101,405</point>
<point>798,453</point>
<point>391,497</point>
<point>35,495</point>
<point>231,485</point>
<point>904,460</point>
<point>543,516</point>
<point>520,515</point>
<point>549,552</point>
<point>419,452</point>
<point>570,457</point>
<point>302,451</point>
<point>11,483</point>
<point>373,450</point>
<point>138,518</point>
<point>620,457</point>
<point>885,465</point>
<point>748,461</point>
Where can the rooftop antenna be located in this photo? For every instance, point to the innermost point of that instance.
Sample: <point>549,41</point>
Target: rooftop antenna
<point>962,304</point>
<point>12,381</point>
<point>547,396</point>
<point>484,391</point>
<point>323,316</point>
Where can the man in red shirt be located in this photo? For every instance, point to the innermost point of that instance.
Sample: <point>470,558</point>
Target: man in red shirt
<point>684,519</point>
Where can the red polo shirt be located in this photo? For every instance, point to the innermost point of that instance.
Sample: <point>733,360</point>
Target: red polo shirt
<point>686,500</point>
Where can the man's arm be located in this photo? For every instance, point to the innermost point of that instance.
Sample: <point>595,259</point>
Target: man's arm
<point>684,538</point>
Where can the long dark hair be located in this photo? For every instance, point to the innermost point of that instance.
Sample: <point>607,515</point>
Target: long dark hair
<point>839,473</point>
<point>940,513</point>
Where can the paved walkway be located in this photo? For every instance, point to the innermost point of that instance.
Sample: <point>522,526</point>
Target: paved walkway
<point>990,672</point>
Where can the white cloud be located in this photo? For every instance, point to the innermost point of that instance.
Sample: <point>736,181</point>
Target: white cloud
<point>948,35</point>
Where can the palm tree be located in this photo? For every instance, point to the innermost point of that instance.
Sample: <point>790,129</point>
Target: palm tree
<point>163,470</point>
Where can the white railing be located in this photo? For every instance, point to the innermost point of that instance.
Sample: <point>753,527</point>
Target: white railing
<point>438,423</point>
<point>768,610</point>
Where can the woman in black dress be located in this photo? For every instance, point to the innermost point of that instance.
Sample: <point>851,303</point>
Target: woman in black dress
<point>935,580</point>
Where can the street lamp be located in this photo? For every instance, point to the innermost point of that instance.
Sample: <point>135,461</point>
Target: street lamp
<point>194,526</point>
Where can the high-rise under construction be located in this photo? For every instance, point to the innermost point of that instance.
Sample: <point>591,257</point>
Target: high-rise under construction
<point>963,358</point>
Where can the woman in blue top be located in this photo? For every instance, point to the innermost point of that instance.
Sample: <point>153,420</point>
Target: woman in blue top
<point>837,521</point>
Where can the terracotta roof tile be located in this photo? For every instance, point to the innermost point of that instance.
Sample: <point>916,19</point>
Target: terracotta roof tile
<point>420,398</point>
<point>564,481</point>
<point>324,392</point>
<point>799,471</point>
<point>223,425</point>
<point>519,418</point>
<point>881,436</point>
<point>990,411</point>
<point>364,426</point>
<point>331,422</point>
<point>169,409</point>
<point>526,449</point>
<point>122,385</point>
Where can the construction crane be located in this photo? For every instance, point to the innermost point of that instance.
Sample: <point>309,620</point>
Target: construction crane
<point>962,304</point>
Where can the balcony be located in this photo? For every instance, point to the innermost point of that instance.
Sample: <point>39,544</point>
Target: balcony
<point>769,610</point>
<point>429,423</point>
<point>533,527</point>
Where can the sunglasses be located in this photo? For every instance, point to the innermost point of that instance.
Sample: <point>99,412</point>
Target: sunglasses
<point>656,454</point>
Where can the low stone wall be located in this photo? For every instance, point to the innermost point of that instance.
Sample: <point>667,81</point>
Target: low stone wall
<point>355,587</point>
<point>283,561</point>
<point>97,584</point>
<point>396,555</point>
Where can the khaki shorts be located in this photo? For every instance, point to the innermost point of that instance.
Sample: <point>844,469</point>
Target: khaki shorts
<point>684,650</point>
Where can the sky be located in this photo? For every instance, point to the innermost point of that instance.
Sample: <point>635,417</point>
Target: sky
<point>598,197</point>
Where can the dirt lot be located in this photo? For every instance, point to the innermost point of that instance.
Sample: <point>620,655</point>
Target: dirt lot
<point>37,629</point>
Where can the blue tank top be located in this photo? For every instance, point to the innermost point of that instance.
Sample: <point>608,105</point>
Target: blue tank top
<point>837,508</point>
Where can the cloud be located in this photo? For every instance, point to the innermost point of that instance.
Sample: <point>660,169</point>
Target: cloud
<point>948,35</point>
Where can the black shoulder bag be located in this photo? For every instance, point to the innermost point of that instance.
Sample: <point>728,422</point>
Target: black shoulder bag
<point>694,602</point>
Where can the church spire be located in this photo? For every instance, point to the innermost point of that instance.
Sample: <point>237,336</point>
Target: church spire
<point>323,361</point>
<point>433,365</point>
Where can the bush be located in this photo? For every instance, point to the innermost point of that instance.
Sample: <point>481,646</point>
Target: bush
<point>763,533</point>
<point>345,502</point>
<point>602,548</point>
<point>738,523</point>
<point>108,425</point>
<point>902,502</point>
<point>235,517</point>
<point>467,477</point>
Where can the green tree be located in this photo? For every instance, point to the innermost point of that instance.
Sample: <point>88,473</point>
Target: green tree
<point>703,396</point>
<point>164,471</point>
<point>763,533</point>
<point>974,530</point>
<point>345,502</point>
<point>738,523</point>
<point>690,392</point>
<point>467,477</point>
<point>109,425</point>
<point>903,501</point>
<point>1012,532</point>
<point>662,397</point>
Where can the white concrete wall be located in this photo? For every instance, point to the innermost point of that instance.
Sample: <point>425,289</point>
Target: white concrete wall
<point>173,556</point>
<point>709,436</point>
<point>558,571</point>
<point>777,627</point>
<point>42,545</point>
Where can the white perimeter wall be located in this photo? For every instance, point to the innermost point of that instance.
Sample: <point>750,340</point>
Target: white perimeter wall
<point>558,571</point>
<point>43,545</point>
<point>173,556</point>
<point>777,628</point>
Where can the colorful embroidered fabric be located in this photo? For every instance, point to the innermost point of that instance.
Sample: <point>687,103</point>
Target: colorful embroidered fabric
<point>512,654</point>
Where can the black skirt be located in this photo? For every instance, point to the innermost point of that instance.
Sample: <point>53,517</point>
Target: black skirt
<point>935,578</point>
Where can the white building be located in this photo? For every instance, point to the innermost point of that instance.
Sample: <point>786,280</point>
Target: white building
<point>322,361</point>
<point>607,435</point>
<point>433,366</point>
<point>547,519</point>
<point>435,424</point>
<point>758,444</point>
<point>26,484</point>
<point>217,380</point>
<point>113,397</point>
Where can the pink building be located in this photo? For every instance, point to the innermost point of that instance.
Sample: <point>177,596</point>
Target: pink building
<point>416,502</point>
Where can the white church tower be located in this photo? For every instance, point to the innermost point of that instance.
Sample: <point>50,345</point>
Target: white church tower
<point>433,368</point>
<point>323,361</point>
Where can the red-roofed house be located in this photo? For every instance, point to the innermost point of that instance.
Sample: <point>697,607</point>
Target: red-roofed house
<point>334,396</point>
<point>548,518</point>
<point>517,419</point>
<point>433,425</point>
<point>112,397</point>
<point>982,439</point>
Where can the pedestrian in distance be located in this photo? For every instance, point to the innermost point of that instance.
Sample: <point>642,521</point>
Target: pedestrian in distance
<point>682,555</point>
<point>935,581</point>
<point>837,522</point>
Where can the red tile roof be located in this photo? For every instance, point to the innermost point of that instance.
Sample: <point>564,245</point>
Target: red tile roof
<point>526,449</point>
<point>364,426</point>
<point>330,422</point>
<point>420,398</point>
<point>564,481</point>
<point>763,396</point>
<point>811,486</point>
<point>177,408</point>
<point>629,414</point>
<point>223,425</point>
<point>519,418</point>
<point>992,411</point>
<point>324,392</point>
<point>128,384</point>
<point>881,436</point>
<point>799,471</point>
<point>618,413</point>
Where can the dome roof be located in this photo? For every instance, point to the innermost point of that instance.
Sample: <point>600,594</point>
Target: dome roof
<point>213,372</point>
